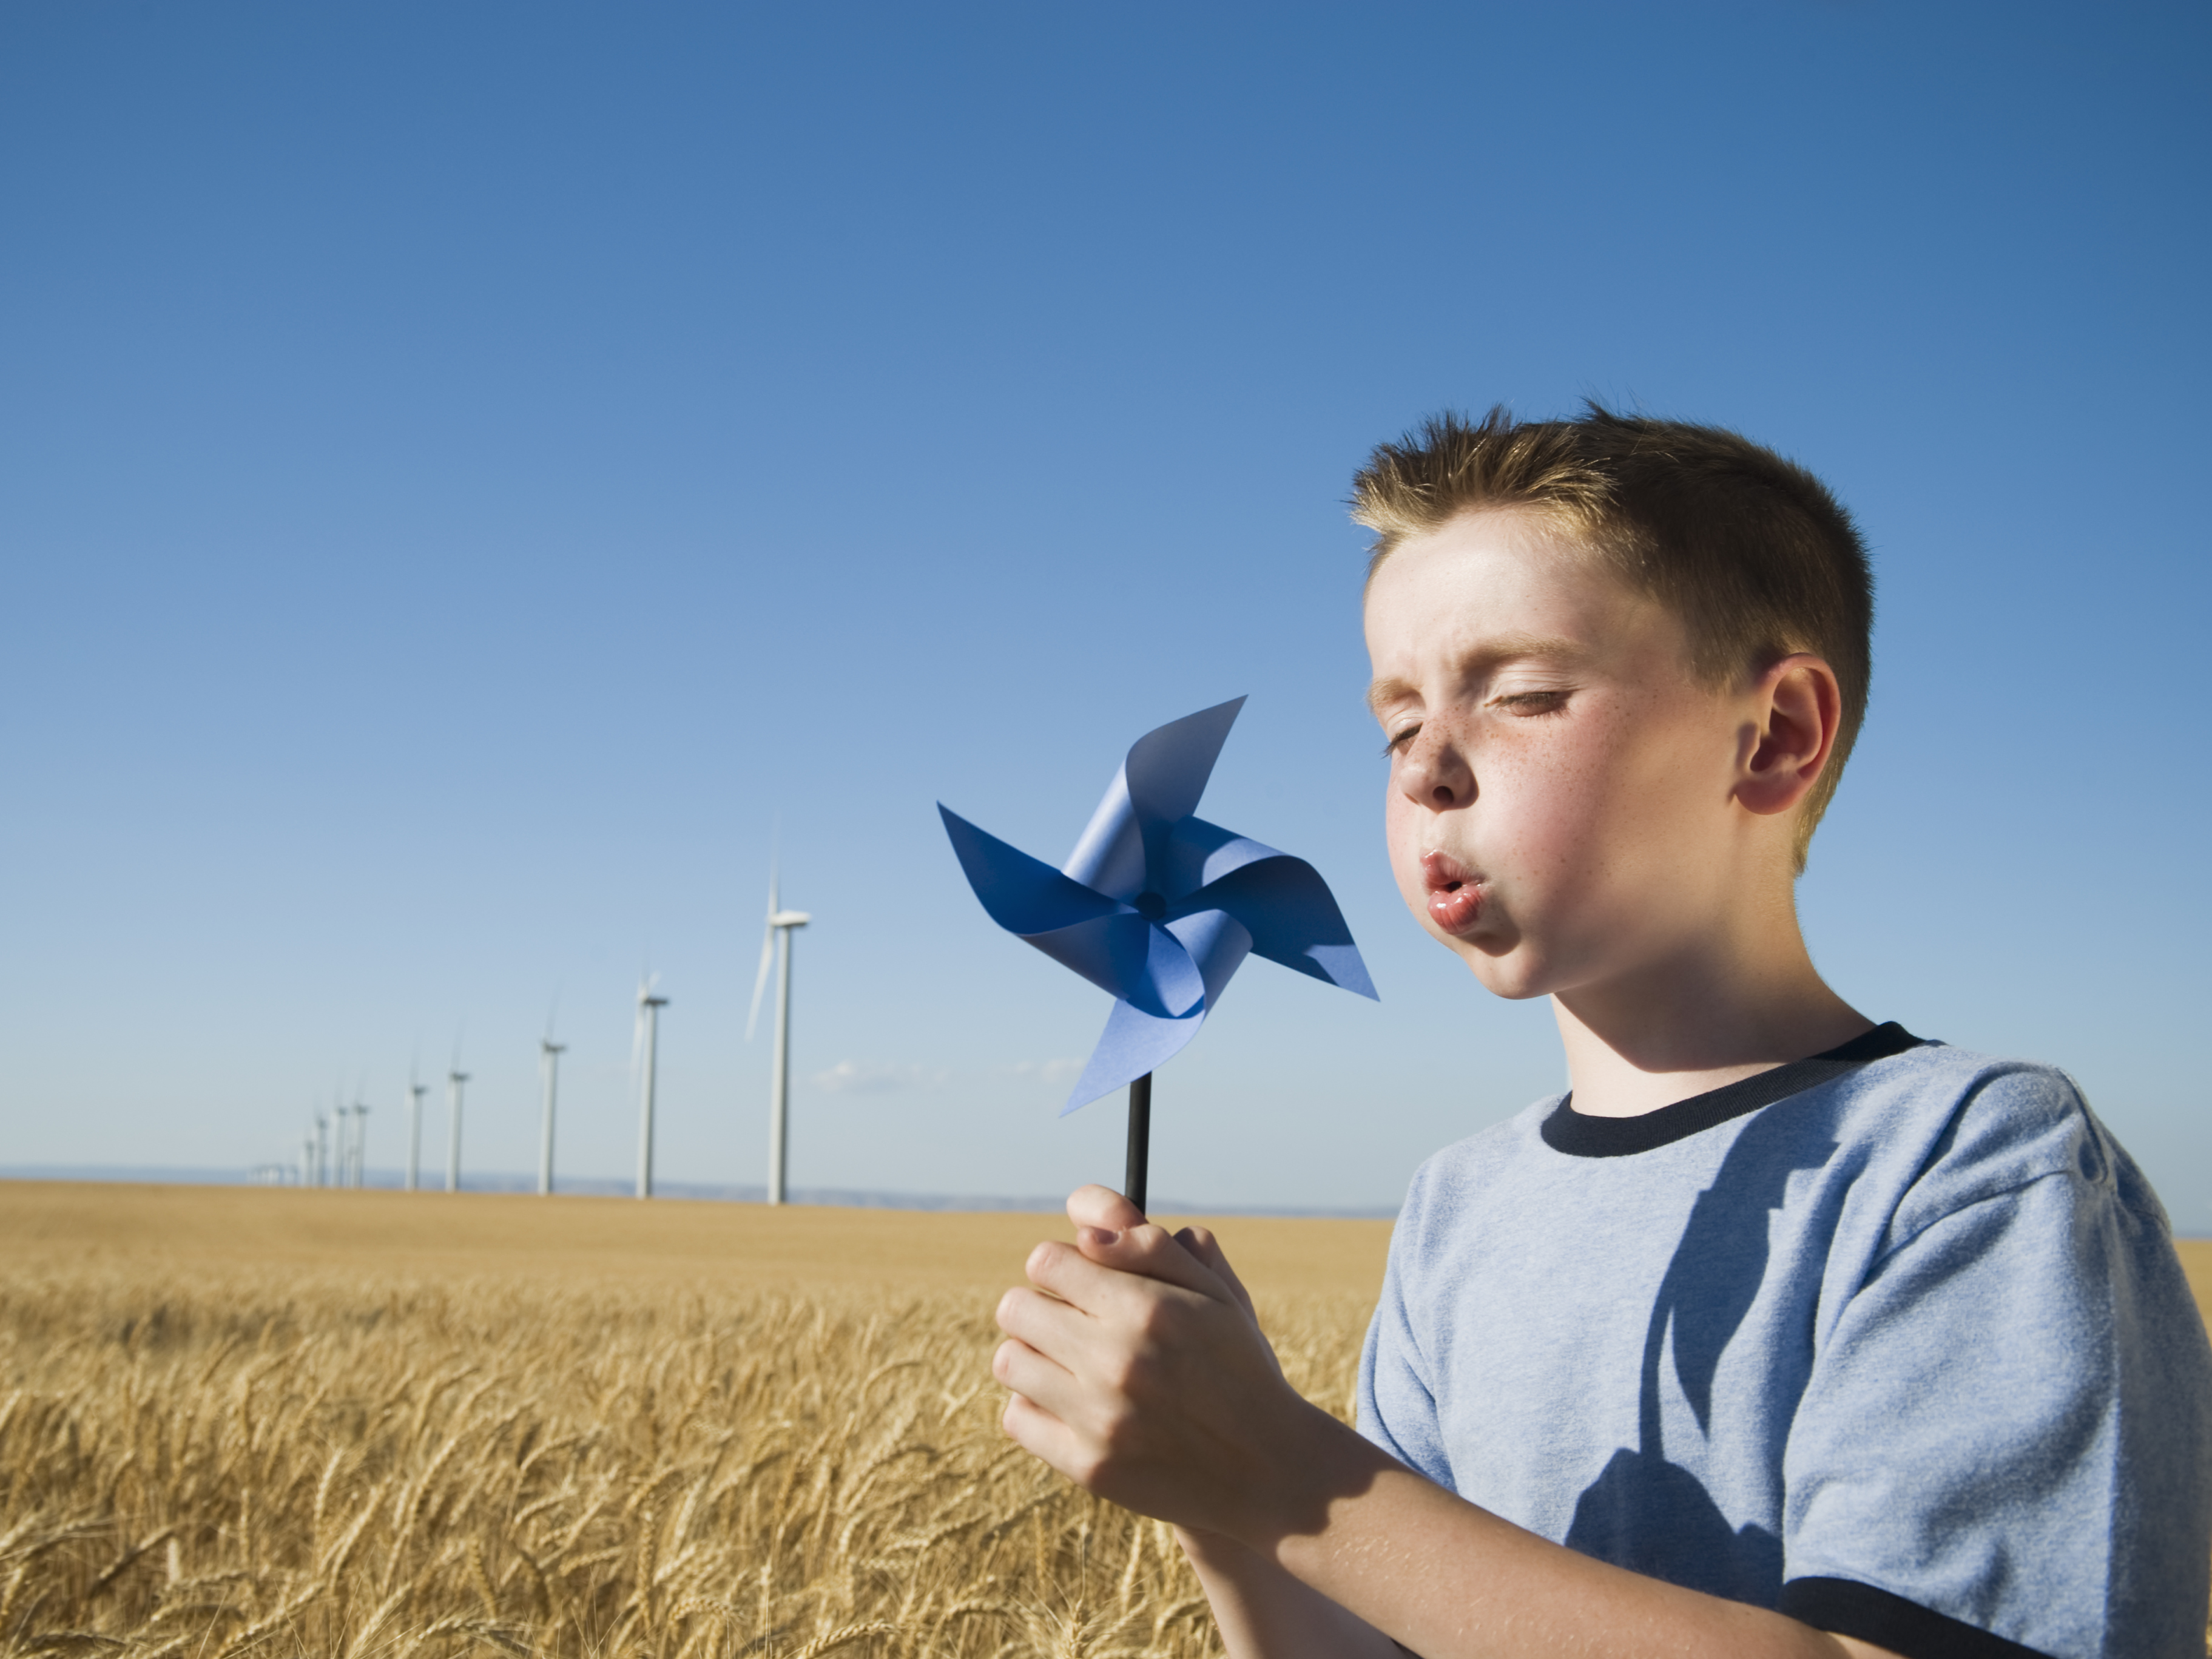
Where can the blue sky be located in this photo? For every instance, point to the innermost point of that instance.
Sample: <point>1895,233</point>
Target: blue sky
<point>471,471</point>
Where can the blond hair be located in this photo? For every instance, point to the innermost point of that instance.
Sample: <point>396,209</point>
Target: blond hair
<point>1750,551</point>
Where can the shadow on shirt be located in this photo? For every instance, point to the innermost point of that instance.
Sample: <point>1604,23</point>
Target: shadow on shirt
<point>1642,1512</point>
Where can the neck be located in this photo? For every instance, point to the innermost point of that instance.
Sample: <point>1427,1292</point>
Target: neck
<point>1743,1001</point>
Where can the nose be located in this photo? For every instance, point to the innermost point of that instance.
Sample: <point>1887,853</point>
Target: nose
<point>1434,773</point>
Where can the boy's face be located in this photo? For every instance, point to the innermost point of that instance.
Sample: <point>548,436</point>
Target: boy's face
<point>1561,807</point>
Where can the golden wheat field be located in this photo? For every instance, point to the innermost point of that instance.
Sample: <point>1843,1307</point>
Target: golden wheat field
<point>238,1422</point>
<point>364,1424</point>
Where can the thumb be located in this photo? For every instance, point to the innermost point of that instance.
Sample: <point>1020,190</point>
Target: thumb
<point>1103,1208</point>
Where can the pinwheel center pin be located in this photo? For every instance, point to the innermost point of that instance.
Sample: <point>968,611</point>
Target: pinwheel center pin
<point>1233,898</point>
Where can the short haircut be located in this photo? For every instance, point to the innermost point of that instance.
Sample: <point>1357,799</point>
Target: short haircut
<point>1750,551</point>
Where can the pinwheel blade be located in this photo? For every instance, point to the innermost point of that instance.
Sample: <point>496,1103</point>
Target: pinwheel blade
<point>1293,919</point>
<point>1132,1044</point>
<point>1136,1040</point>
<point>1159,906</point>
<point>1218,944</point>
<point>1131,959</point>
<point>1022,895</point>
<point>1194,853</point>
<point>1168,767</point>
<point>1160,783</point>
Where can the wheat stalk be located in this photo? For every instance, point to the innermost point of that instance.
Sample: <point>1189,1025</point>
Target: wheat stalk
<point>375,1469</point>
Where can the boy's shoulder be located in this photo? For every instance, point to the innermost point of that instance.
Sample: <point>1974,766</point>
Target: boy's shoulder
<point>1921,1131</point>
<point>1916,1328</point>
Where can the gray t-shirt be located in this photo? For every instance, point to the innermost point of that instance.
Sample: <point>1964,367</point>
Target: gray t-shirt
<point>1893,1338</point>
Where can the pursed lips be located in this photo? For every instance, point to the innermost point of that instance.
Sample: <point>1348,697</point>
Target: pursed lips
<point>1455,892</point>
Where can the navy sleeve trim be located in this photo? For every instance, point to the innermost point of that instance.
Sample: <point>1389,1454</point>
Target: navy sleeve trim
<point>1843,1606</point>
<point>1565,1130</point>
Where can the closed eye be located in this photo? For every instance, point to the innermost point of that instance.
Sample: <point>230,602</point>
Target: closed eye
<point>1532,702</point>
<point>1399,739</point>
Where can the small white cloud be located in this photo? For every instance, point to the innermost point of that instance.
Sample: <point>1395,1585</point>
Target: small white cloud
<point>1051,1071</point>
<point>854,1077</point>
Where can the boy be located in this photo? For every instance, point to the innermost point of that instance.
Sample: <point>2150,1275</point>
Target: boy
<point>1783,1332</point>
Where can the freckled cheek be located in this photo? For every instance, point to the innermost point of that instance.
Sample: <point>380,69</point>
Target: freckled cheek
<point>1541,806</point>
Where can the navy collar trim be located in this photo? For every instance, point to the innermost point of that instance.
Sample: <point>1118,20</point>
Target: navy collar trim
<point>1566,1130</point>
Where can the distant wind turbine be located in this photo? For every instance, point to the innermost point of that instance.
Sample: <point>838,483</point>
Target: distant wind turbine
<point>359,1143</point>
<point>322,1150</point>
<point>415,1093</point>
<point>775,942</point>
<point>454,1080</point>
<point>645,1047</point>
<point>549,1063</point>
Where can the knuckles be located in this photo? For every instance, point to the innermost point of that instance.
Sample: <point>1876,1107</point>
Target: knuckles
<point>1042,1260</point>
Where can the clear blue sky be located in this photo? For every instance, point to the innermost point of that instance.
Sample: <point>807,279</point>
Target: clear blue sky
<point>466,471</point>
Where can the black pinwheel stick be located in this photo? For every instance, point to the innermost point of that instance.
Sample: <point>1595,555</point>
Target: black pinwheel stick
<point>1141,1140</point>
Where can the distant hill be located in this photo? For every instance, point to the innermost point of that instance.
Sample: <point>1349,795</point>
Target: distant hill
<point>163,1174</point>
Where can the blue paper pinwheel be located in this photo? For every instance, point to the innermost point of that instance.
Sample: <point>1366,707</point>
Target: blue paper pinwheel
<point>1160,907</point>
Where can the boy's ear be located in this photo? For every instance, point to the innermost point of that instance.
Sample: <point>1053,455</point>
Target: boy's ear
<point>1796,707</point>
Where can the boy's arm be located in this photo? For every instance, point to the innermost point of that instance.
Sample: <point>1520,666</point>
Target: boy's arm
<point>1265,1614</point>
<point>1139,1373</point>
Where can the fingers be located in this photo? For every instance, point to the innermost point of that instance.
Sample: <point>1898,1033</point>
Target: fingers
<point>1146,1252</point>
<point>1043,1436</point>
<point>1201,1243</point>
<point>1046,1323</point>
<point>1034,1377</point>
<point>1112,1232</point>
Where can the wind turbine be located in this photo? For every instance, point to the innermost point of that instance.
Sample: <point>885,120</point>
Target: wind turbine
<point>359,1143</point>
<point>549,1063</point>
<point>306,1160</point>
<point>415,1093</point>
<point>645,1043</point>
<point>775,941</point>
<point>322,1150</point>
<point>454,1080</point>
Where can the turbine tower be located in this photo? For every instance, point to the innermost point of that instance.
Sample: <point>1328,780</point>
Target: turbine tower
<point>454,1080</point>
<point>775,941</point>
<point>322,1150</point>
<point>549,1063</point>
<point>644,1044</point>
<point>360,1174</point>
<point>415,1093</point>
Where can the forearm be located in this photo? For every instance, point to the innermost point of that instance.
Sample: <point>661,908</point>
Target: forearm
<point>1450,1581</point>
<point>1263,1612</point>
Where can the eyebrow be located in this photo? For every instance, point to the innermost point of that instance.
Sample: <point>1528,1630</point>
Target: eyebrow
<point>1492,651</point>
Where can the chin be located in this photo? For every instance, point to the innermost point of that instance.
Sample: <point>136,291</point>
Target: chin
<point>1510,987</point>
<point>1505,967</point>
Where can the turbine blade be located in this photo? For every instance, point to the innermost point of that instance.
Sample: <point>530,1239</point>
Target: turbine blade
<point>760,980</point>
